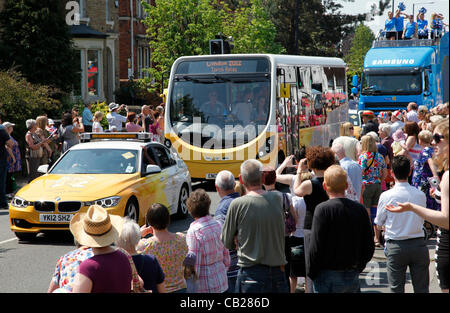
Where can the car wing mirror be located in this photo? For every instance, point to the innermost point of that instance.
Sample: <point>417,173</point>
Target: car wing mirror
<point>152,169</point>
<point>43,169</point>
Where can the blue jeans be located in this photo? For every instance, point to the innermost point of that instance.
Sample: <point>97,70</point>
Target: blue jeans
<point>3,173</point>
<point>337,282</point>
<point>231,284</point>
<point>261,279</point>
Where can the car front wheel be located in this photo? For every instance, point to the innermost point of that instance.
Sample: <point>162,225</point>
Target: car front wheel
<point>182,211</point>
<point>132,210</point>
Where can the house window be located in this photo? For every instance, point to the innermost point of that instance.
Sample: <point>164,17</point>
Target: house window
<point>140,61</point>
<point>82,4</point>
<point>108,14</point>
<point>93,72</point>
<point>138,9</point>
<point>77,88</point>
<point>143,61</point>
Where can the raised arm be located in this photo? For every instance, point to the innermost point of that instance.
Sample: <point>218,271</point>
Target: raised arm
<point>284,178</point>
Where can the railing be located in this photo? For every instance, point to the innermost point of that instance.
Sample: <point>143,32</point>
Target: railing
<point>404,43</point>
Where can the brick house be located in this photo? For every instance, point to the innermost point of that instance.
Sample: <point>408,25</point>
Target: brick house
<point>134,54</point>
<point>108,57</point>
<point>96,40</point>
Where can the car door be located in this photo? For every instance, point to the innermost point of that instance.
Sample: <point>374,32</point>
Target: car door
<point>152,184</point>
<point>169,177</point>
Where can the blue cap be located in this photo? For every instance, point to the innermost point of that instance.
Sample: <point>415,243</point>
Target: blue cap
<point>402,6</point>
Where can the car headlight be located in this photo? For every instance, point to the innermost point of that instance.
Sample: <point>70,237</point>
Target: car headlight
<point>105,202</point>
<point>20,203</point>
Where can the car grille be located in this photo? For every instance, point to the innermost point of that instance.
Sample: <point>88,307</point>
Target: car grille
<point>44,206</point>
<point>69,206</point>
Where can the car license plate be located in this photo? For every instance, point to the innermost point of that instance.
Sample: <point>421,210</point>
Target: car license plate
<point>211,176</point>
<point>55,218</point>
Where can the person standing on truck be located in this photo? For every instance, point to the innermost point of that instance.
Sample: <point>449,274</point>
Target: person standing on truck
<point>399,23</point>
<point>410,31</point>
<point>389,26</point>
<point>422,25</point>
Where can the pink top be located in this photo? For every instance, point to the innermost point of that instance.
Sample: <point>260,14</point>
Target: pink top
<point>133,128</point>
<point>213,259</point>
<point>154,128</point>
<point>109,273</point>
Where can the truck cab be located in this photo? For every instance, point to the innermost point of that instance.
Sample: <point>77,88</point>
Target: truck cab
<point>397,72</point>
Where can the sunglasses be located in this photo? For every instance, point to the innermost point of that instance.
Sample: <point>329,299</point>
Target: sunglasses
<point>437,138</point>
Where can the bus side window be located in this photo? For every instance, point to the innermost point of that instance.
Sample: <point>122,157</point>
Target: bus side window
<point>427,81</point>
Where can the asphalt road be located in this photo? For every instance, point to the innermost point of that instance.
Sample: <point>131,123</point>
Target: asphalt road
<point>27,267</point>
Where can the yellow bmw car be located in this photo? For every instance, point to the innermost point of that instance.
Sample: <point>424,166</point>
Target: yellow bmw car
<point>123,172</point>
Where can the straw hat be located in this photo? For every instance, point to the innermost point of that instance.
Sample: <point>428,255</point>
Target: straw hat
<point>96,228</point>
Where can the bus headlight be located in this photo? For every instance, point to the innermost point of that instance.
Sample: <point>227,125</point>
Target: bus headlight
<point>266,148</point>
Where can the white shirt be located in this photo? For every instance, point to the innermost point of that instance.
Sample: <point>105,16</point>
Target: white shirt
<point>396,125</point>
<point>412,116</point>
<point>405,225</point>
<point>97,127</point>
<point>300,208</point>
<point>115,119</point>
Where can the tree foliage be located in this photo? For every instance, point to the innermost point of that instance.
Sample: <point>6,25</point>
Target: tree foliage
<point>20,100</point>
<point>35,40</point>
<point>315,27</point>
<point>361,43</point>
<point>184,27</point>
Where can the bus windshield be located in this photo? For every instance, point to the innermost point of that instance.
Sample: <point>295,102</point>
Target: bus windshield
<point>220,110</point>
<point>391,84</point>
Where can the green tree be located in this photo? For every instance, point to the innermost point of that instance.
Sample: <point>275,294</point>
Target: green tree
<point>21,100</point>
<point>315,27</point>
<point>184,27</point>
<point>361,43</point>
<point>35,40</point>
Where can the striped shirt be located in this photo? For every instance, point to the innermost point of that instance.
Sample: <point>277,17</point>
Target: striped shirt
<point>213,259</point>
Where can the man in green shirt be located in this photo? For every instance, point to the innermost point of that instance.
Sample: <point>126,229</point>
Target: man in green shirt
<point>256,220</point>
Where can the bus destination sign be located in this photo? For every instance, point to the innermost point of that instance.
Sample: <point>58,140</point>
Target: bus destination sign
<point>223,66</point>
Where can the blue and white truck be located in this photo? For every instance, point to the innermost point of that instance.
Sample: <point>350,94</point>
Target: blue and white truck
<point>397,72</point>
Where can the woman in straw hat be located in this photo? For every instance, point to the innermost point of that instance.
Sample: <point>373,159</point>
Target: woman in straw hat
<point>109,270</point>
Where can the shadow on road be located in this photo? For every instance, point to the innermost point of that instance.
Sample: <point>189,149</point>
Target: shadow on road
<point>54,238</point>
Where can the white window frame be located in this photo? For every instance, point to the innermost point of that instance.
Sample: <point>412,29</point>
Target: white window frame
<point>83,45</point>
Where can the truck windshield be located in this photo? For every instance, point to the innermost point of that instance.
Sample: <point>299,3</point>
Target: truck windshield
<point>391,84</point>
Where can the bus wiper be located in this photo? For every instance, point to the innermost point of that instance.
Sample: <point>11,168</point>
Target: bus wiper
<point>220,77</point>
<point>188,78</point>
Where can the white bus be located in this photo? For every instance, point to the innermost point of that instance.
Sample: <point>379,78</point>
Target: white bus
<point>224,109</point>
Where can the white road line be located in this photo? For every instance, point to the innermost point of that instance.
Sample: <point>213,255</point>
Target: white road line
<point>5,241</point>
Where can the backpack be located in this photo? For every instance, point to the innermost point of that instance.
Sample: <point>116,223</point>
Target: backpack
<point>289,220</point>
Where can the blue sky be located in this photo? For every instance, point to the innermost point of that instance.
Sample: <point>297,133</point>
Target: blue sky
<point>362,6</point>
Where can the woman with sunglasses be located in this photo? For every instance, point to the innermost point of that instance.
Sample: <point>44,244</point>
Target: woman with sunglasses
<point>439,218</point>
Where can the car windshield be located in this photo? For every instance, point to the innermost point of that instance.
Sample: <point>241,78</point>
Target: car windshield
<point>97,161</point>
<point>391,84</point>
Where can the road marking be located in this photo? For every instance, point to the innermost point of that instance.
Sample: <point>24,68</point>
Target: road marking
<point>2,242</point>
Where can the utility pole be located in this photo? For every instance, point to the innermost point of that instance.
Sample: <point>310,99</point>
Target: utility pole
<point>296,27</point>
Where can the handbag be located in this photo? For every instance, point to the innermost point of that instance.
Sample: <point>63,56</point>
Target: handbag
<point>289,220</point>
<point>36,154</point>
<point>298,255</point>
